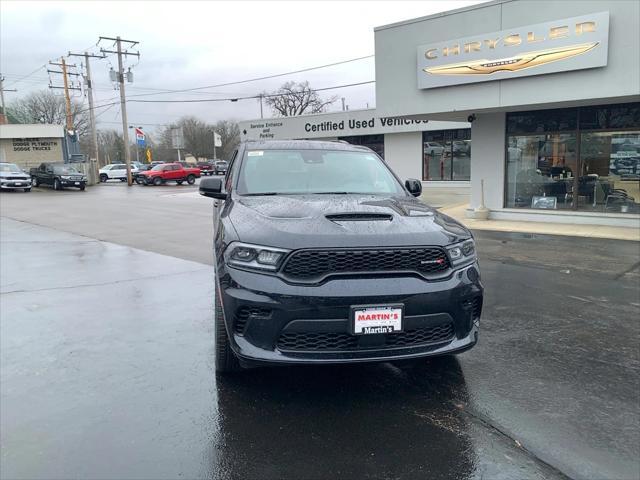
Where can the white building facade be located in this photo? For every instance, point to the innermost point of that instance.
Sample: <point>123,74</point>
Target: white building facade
<point>552,89</point>
<point>30,145</point>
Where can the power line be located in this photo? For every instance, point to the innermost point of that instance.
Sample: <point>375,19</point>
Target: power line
<point>28,75</point>
<point>232,99</point>
<point>199,100</point>
<point>256,79</point>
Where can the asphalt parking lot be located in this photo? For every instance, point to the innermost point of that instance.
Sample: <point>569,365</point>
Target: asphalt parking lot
<point>107,361</point>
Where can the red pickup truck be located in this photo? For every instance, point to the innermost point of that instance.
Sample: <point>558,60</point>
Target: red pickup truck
<point>168,172</point>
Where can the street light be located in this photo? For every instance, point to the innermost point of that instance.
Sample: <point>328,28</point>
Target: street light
<point>137,156</point>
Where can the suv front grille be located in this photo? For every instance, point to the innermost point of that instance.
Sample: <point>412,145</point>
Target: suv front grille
<point>316,264</point>
<point>336,341</point>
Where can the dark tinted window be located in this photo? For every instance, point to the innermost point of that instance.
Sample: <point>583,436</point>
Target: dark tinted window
<point>541,121</point>
<point>610,116</point>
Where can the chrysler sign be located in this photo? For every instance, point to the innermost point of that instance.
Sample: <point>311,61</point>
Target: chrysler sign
<point>562,45</point>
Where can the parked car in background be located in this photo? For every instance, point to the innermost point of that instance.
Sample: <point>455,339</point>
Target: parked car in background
<point>140,166</point>
<point>58,176</point>
<point>168,172</point>
<point>11,177</point>
<point>206,168</point>
<point>220,167</point>
<point>433,148</point>
<point>117,171</point>
<point>460,147</point>
<point>318,264</point>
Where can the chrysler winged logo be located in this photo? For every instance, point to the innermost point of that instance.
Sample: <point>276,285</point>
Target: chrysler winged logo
<point>512,64</point>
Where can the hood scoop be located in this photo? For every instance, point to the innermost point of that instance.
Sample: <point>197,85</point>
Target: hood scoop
<point>359,217</point>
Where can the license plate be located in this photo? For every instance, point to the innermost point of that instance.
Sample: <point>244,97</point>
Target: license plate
<point>18,184</point>
<point>371,320</point>
<point>77,183</point>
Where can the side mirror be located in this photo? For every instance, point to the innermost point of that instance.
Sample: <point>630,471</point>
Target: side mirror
<point>414,186</point>
<point>212,188</point>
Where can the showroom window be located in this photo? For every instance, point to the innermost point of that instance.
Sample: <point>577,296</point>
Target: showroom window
<point>374,142</point>
<point>446,155</point>
<point>585,159</point>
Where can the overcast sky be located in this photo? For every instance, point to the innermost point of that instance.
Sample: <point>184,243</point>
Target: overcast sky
<point>194,44</point>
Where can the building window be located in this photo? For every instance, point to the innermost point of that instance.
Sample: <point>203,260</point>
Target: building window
<point>374,142</point>
<point>446,155</point>
<point>585,159</point>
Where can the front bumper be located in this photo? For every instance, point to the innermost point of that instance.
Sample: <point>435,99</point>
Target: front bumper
<point>73,183</point>
<point>270,321</point>
<point>11,184</point>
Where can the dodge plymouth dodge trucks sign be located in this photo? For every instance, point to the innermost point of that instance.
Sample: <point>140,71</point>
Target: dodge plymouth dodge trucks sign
<point>562,45</point>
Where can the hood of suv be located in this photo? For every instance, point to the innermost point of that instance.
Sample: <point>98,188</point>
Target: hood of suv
<point>302,221</point>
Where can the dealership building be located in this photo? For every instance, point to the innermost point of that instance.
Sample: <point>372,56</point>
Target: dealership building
<point>29,145</point>
<point>543,96</point>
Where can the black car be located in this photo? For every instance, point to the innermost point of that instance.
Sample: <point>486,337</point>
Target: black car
<point>58,176</point>
<point>323,256</point>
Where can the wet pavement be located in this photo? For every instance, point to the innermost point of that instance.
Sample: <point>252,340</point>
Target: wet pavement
<point>107,363</point>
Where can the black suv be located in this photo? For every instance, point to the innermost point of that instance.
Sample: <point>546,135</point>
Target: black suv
<point>323,256</point>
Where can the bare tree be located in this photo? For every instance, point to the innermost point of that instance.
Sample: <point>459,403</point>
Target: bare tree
<point>229,132</point>
<point>295,99</point>
<point>47,107</point>
<point>111,146</point>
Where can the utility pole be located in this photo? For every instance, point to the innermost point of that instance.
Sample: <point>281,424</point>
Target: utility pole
<point>2,90</point>
<point>123,107</point>
<point>261,96</point>
<point>343,104</point>
<point>67,98</point>
<point>92,115</point>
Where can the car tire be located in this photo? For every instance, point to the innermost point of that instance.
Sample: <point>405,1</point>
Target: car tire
<point>138,181</point>
<point>191,179</point>
<point>27,189</point>
<point>123,179</point>
<point>179,182</point>
<point>56,184</point>
<point>226,361</point>
<point>157,181</point>
<point>103,177</point>
<point>81,188</point>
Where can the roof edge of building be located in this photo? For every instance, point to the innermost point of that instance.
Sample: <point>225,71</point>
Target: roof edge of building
<point>446,13</point>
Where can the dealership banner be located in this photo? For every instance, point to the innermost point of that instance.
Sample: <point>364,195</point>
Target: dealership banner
<point>561,45</point>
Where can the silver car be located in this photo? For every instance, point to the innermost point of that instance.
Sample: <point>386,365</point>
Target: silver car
<point>11,177</point>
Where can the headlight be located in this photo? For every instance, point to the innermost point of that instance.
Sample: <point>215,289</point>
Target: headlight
<point>65,177</point>
<point>256,257</point>
<point>462,253</point>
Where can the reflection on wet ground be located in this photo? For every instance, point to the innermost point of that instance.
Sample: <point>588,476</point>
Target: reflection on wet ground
<point>403,420</point>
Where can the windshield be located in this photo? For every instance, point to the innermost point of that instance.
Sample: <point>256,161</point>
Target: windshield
<point>65,170</point>
<point>159,167</point>
<point>221,162</point>
<point>293,172</point>
<point>10,168</point>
